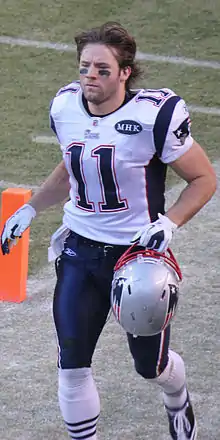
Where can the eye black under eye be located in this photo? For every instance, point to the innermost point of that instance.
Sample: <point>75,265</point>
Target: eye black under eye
<point>83,70</point>
<point>104,72</point>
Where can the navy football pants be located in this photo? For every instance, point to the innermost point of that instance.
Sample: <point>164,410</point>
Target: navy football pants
<point>82,303</point>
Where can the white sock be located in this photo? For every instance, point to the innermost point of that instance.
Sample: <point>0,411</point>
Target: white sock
<point>79,402</point>
<point>173,382</point>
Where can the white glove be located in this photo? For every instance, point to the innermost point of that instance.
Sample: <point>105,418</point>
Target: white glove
<point>156,235</point>
<point>15,226</point>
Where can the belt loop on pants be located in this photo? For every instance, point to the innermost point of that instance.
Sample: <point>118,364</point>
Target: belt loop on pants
<point>107,248</point>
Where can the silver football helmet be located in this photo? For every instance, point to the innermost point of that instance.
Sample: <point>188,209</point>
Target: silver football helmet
<point>145,291</point>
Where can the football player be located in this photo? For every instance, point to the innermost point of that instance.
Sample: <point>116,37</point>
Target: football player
<point>116,144</point>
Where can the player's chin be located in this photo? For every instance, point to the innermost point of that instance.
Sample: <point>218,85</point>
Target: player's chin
<point>94,98</point>
<point>93,95</point>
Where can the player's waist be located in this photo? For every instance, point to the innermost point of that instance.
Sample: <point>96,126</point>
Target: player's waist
<point>94,243</point>
<point>106,247</point>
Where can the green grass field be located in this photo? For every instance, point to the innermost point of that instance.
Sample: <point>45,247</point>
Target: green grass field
<point>30,77</point>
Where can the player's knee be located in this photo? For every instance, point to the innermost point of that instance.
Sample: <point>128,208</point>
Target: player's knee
<point>74,383</point>
<point>148,371</point>
<point>76,386</point>
<point>74,377</point>
<point>172,377</point>
<point>149,368</point>
<point>73,354</point>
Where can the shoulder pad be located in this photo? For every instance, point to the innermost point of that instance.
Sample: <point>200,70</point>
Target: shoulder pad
<point>156,96</point>
<point>73,87</point>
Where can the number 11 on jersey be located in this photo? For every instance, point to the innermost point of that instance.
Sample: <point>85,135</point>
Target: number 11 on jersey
<point>104,156</point>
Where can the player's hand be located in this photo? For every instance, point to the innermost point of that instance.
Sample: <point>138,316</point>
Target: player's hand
<point>156,235</point>
<point>15,226</point>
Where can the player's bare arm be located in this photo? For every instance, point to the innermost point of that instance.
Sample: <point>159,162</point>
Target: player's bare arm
<point>195,168</point>
<point>53,191</point>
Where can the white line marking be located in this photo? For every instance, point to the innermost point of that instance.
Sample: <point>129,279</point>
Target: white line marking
<point>41,139</point>
<point>61,47</point>
<point>215,111</point>
<point>6,184</point>
<point>178,60</point>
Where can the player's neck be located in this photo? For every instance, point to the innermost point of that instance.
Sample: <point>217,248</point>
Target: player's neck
<point>107,107</point>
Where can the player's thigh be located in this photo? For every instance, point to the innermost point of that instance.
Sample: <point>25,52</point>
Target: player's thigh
<point>80,312</point>
<point>150,354</point>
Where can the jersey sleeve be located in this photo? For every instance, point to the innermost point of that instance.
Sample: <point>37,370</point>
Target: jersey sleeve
<point>178,137</point>
<point>51,119</point>
<point>54,114</point>
<point>57,107</point>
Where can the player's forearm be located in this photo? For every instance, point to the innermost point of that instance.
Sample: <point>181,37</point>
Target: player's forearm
<point>54,190</point>
<point>196,194</point>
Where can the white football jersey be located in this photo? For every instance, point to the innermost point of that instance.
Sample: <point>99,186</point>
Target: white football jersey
<point>117,163</point>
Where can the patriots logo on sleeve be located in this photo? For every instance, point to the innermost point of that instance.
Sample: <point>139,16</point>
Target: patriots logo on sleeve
<point>183,131</point>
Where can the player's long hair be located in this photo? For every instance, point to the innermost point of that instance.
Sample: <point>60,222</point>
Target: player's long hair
<point>112,34</point>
